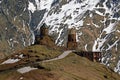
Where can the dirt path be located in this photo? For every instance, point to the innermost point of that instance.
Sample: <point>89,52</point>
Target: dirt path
<point>63,55</point>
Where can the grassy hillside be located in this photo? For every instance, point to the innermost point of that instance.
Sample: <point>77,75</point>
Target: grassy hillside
<point>75,67</point>
<point>72,67</point>
<point>43,52</point>
<point>30,56</point>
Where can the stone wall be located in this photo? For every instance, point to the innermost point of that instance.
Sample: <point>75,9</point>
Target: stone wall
<point>93,56</point>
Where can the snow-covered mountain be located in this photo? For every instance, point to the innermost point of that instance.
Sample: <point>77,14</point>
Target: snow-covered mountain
<point>96,22</point>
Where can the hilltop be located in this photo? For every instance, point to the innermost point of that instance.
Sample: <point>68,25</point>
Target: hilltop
<point>30,64</point>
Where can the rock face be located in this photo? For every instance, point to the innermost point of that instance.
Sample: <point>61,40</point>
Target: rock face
<point>15,32</point>
<point>97,23</point>
<point>18,22</point>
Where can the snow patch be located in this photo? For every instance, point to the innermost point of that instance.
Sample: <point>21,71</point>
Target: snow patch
<point>21,78</point>
<point>26,69</point>
<point>45,4</point>
<point>31,7</point>
<point>10,61</point>
<point>71,16</point>
<point>86,47</point>
<point>117,68</point>
<point>21,56</point>
<point>114,44</point>
<point>98,44</point>
<point>110,28</point>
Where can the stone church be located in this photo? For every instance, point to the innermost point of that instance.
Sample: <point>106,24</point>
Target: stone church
<point>71,43</point>
<point>43,38</point>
